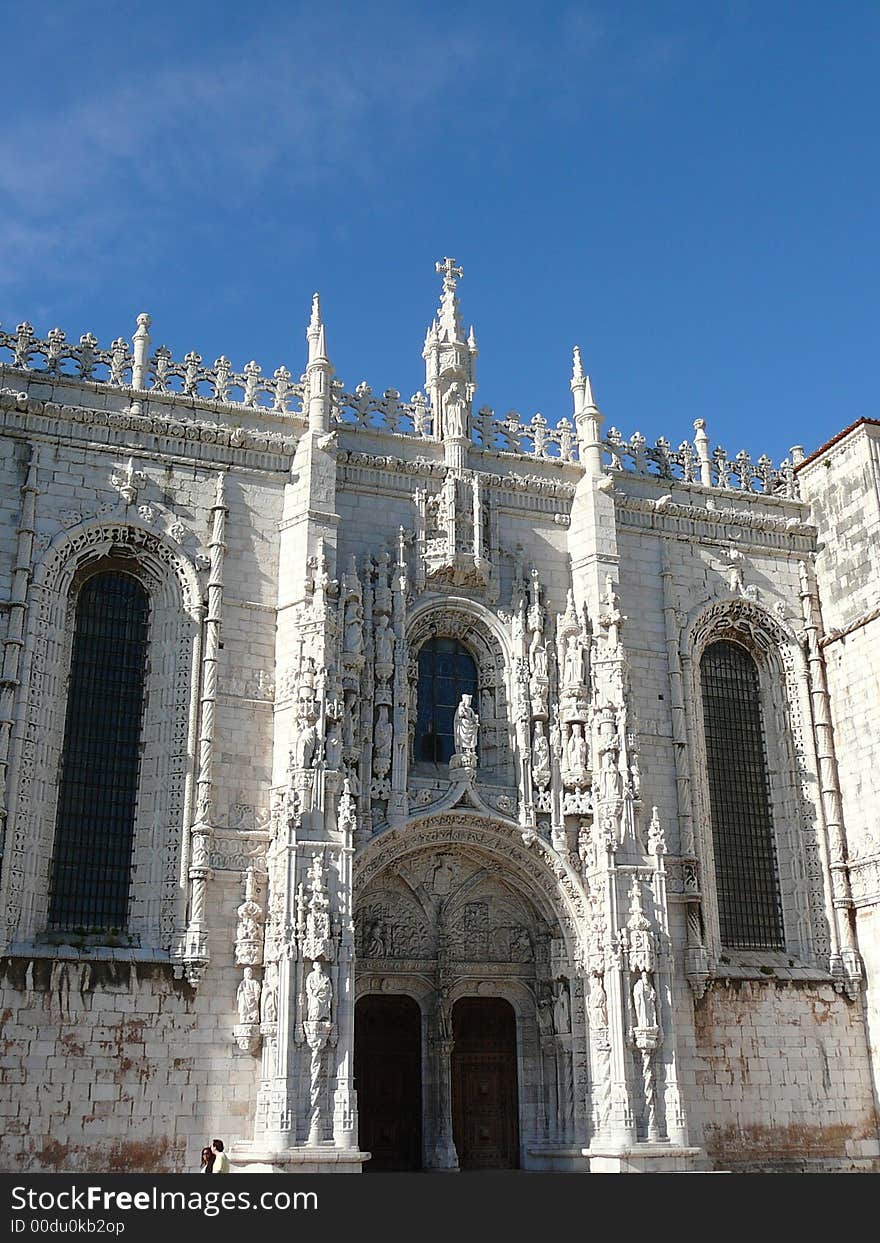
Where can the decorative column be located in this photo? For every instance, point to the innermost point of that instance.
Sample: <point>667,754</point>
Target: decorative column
<point>193,954</point>
<point>345,1118</point>
<point>676,1122</point>
<point>14,640</point>
<point>696,955</point>
<point>440,1152</point>
<point>846,963</point>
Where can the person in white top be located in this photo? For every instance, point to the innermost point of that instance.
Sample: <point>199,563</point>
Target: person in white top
<point>221,1161</point>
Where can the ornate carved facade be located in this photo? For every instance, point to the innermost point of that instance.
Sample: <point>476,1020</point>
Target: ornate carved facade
<point>429,768</point>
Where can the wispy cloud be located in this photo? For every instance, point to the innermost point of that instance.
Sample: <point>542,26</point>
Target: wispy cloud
<point>273,117</point>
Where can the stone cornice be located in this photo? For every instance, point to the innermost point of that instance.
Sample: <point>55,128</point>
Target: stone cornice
<point>395,474</point>
<point>175,437</point>
<point>670,517</point>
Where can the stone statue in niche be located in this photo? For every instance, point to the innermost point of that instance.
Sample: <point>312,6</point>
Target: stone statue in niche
<point>455,411</point>
<point>384,734</point>
<point>576,749</point>
<point>319,994</point>
<point>384,641</point>
<point>613,619</point>
<point>645,1002</point>
<point>248,998</point>
<point>562,1010</point>
<point>538,654</point>
<point>598,1003</point>
<point>354,633</point>
<point>269,999</point>
<point>544,1009</point>
<point>305,749</point>
<point>609,777</point>
<point>540,755</point>
<point>573,669</point>
<point>465,727</point>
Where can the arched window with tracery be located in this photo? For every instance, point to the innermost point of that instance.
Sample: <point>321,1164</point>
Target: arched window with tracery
<point>746,871</point>
<point>100,765</point>
<point>447,671</point>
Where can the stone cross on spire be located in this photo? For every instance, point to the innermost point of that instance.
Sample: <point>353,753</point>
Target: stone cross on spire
<point>450,271</point>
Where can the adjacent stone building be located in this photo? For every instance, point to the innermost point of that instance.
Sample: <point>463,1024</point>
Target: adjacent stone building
<point>386,784</point>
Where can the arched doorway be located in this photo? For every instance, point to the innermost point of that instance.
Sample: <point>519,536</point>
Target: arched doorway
<point>388,1080</point>
<point>485,1121</point>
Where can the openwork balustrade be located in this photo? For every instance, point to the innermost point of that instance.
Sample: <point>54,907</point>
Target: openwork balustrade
<point>118,367</point>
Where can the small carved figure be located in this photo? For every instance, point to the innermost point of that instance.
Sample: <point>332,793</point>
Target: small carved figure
<point>598,1003</point>
<point>384,641</point>
<point>354,634</point>
<point>441,877</point>
<point>465,727</point>
<point>609,778</point>
<point>347,818</point>
<point>306,746</point>
<point>539,657</point>
<point>576,750</point>
<point>562,1010</point>
<point>319,992</point>
<point>645,1002</point>
<point>383,737</point>
<point>573,667</point>
<point>540,752</point>
<point>269,999</point>
<point>248,998</point>
<point>375,944</point>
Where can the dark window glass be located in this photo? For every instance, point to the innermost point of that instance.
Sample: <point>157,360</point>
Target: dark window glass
<point>97,798</point>
<point>742,828</point>
<point>446,672</point>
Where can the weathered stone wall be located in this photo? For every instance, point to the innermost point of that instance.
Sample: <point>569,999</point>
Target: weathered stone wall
<point>782,1078</point>
<point>113,1065</point>
<point>842,483</point>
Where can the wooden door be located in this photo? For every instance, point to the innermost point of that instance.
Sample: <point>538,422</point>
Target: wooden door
<point>485,1122</point>
<point>388,1081</point>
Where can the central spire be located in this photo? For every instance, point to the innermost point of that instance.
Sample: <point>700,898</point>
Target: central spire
<point>448,322</point>
<point>450,372</point>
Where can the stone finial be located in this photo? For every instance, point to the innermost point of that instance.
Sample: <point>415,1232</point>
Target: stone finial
<point>701,443</point>
<point>315,333</point>
<point>141,343</point>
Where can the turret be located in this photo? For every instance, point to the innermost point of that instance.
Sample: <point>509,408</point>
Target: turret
<point>587,417</point>
<point>318,372</point>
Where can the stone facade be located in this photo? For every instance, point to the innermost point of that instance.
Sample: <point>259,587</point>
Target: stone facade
<point>296,849</point>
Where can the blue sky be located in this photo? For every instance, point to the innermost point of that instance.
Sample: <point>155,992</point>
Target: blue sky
<point>688,190</point>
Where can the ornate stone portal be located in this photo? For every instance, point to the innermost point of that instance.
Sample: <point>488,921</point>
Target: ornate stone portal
<point>505,873</point>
